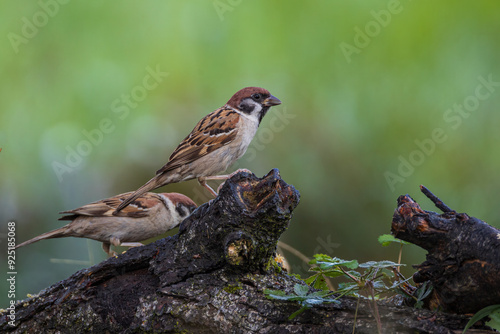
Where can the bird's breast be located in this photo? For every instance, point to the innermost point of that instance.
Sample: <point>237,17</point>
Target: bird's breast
<point>248,128</point>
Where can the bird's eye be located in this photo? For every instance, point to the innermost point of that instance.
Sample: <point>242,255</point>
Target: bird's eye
<point>256,96</point>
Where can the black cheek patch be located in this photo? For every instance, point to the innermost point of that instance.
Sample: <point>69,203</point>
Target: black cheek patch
<point>180,210</point>
<point>246,108</point>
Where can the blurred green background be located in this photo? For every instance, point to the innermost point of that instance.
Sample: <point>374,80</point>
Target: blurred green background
<point>364,86</point>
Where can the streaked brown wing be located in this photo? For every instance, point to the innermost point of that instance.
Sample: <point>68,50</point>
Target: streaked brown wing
<point>105,208</point>
<point>214,131</point>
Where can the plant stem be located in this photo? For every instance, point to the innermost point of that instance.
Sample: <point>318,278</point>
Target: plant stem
<point>375,306</point>
<point>355,316</point>
<point>349,275</point>
<point>294,251</point>
<point>399,257</point>
<point>375,310</point>
<point>304,259</point>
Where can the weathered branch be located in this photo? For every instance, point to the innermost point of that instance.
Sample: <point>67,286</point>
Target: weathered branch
<point>463,260</point>
<point>209,278</point>
<point>437,202</point>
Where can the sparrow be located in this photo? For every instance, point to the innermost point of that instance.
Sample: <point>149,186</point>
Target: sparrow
<point>146,217</point>
<point>216,142</point>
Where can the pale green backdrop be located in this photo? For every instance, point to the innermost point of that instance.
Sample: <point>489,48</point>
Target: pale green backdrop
<point>378,98</point>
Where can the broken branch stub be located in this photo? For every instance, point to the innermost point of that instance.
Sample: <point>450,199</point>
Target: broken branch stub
<point>240,227</point>
<point>463,260</point>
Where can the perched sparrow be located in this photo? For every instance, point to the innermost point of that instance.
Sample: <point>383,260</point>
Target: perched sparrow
<point>217,141</point>
<point>147,216</point>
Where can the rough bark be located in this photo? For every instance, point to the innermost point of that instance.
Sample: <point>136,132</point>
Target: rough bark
<point>209,278</point>
<point>463,260</point>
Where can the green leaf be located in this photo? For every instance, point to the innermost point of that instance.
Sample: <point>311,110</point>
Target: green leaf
<point>380,264</point>
<point>353,264</point>
<point>322,293</point>
<point>313,301</point>
<point>481,314</point>
<point>421,293</point>
<point>333,273</point>
<point>387,273</point>
<point>276,294</point>
<point>396,284</point>
<point>320,257</point>
<point>349,288</point>
<point>296,313</point>
<point>328,265</point>
<point>379,285</point>
<point>424,291</point>
<point>301,290</point>
<point>317,281</point>
<point>326,262</point>
<point>318,269</point>
<point>348,285</point>
<point>387,239</point>
<point>302,297</point>
<point>293,298</point>
<point>495,320</point>
<point>310,280</point>
<point>320,283</point>
<point>419,304</point>
<point>320,297</point>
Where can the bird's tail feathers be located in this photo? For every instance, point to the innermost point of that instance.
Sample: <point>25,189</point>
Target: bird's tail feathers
<point>154,183</point>
<point>58,233</point>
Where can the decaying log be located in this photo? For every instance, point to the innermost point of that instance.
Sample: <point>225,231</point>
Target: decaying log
<point>209,278</point>
<point>463,260</point>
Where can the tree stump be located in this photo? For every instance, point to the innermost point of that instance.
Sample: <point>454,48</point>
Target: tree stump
<point>463,260</point>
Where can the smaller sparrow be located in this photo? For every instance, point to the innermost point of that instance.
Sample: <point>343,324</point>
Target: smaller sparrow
<point>146,217</point>
<point>216,142</point>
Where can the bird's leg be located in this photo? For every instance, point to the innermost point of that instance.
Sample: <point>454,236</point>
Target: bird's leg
<point>202,182</point>
<point>115,241</point>
<point>220,186</point>
<point>106,248</point>
<point>225,177</point>
<point>217,177</point>
<point>131,244</point>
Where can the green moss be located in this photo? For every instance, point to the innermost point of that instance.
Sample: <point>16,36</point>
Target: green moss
<point>232,288</point>
<point>273,267</point>
<point>180,331</point>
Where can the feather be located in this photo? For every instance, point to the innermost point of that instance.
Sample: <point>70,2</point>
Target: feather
<point>139,207</point>
<point>214,131</point>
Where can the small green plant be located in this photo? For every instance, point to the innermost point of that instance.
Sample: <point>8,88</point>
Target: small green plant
<point>417,294</point>
<point>492,311</point>
<point>387,239</point>
<point>327,267</point>
<point>373,280</point>
<point>368,280</point>
<point>302,295</point>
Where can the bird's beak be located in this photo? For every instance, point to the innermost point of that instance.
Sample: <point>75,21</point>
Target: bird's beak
<point>271,101</point>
